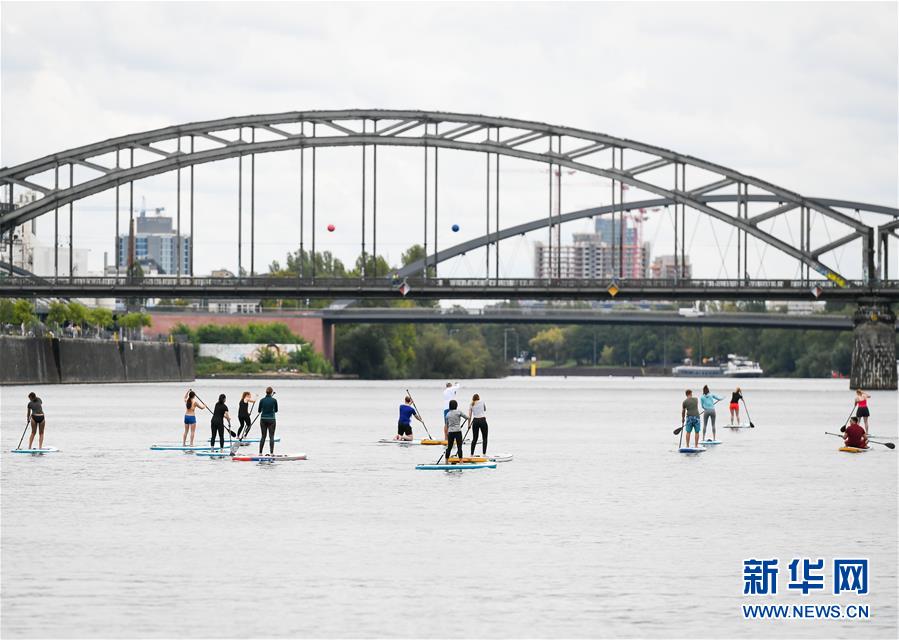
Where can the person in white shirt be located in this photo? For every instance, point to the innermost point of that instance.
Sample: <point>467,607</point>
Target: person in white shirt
<point>449,393</point>
<point>477,415</point>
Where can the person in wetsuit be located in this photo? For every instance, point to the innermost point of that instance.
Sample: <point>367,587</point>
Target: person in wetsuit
<point>219,415</point>
<point>35,417</point>
<point>268,407</point>
<point>243,414</point>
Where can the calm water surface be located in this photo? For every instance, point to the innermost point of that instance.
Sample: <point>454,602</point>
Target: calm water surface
<point>598,528</point>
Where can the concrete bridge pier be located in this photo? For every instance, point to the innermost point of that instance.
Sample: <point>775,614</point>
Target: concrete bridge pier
<point>874,354</point>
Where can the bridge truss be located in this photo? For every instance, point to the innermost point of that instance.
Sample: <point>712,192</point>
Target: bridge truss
<point>677,180</point>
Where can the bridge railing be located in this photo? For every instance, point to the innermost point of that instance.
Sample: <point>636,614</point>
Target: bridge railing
<point>262,282</point>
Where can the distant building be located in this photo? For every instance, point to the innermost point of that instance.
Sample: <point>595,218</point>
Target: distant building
<point>589,257</point>
<point>156,238</point>
<point>39,258</point>
<point>626,248</point>
<point>797,307</point>
<point>664,267</point>
<point>238,306</point>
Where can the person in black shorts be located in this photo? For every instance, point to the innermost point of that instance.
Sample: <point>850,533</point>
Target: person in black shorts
<point>404,425</point>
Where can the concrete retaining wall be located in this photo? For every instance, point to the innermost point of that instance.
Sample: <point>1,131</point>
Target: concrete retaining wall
<point>27,360</point>
<point>49,361</point>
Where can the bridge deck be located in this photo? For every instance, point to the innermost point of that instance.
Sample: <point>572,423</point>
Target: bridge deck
<point>443,288</point>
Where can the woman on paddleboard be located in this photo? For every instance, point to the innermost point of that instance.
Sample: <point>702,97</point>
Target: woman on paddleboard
<point>190,417</point>
<point>452,428</point>
<point>34,414</point>
<point>219,415</point>
<point>735,398</point>
<point>268,407</point>
<point>404,425</point>
<point>243,414</point>
<point>708,400</point>
<point>861,404</point>
<point>477,416</point>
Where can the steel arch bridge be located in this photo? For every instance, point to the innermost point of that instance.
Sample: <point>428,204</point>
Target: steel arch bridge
<point>107,165</point>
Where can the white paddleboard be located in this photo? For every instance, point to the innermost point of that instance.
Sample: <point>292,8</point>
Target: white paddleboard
<point>36,452</point>
<point>392,441</point>
<point>500,457</point>
<point>706,443</point>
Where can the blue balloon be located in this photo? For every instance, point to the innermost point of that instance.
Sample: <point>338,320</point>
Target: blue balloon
<point>455,228</point>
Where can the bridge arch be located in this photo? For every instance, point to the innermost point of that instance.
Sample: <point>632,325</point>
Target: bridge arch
<point>584,151</point>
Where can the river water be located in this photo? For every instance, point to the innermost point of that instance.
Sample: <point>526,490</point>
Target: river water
<point>597,528</point>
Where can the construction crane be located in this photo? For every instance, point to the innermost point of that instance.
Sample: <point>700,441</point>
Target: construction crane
<point>143,208</point>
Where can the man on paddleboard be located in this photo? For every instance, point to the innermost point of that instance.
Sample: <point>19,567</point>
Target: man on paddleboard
<point>404,426</point>
<point>855,435</point>
<point>268,407</point>
<point>449,394</point>
<point>689,417</point>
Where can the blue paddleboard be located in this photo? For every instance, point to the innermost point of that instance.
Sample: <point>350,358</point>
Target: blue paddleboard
<point>691,449</point>
<point>456,467</point>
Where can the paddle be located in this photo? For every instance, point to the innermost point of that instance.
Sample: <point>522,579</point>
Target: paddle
<point>751,426</point>
<point>206,406</point>
<point>27,424</point>
<point>888,445</point>
<point>419,415</point>
<point>463,442</point>
<point>845,422</point>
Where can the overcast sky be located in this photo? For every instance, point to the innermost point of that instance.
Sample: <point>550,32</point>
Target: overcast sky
<point>803,95</point>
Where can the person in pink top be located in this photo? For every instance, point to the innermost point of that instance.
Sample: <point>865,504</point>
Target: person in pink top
<point>861,406</point>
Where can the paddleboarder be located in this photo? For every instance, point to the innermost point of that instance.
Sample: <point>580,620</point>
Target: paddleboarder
<point>404,425</point>
<point>452,428</point>
<point>708,400</point>
<point>689,416</point>
<point>477,415</point>
<point>34,414</point>
<point>268,407</point>
<point>449,394</point>
<point>861,404</point>
<point>735,398</point>
<point>855,435</point>
<point>219,415</point>
<point>190,419</point>
<point>243,414</point>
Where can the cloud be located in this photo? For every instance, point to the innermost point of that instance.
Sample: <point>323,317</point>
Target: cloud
<point>802,95</point>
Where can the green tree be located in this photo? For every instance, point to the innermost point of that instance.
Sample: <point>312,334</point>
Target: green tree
<point>58,313</point>
<point>100,318</point>
<point>548,343</point>
<point>22,311</point>
<point>77,313</point>
<point>6,311</point>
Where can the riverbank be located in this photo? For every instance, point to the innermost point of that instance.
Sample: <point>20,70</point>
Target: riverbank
<point>77,361</point>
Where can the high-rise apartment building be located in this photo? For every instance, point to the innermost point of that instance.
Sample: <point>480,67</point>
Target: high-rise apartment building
<point>664,267</point>
<point>155,238</point>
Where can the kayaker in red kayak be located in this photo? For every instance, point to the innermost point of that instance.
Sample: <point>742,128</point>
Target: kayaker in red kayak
<point>855,435</point>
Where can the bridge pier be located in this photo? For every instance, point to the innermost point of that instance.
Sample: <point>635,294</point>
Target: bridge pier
<point>874,354</point>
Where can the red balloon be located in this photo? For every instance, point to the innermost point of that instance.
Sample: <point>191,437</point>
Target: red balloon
<point>331,227</point>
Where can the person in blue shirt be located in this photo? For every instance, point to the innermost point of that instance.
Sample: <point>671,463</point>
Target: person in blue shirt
<point>404,426</point>
<point>708,401</point>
